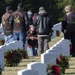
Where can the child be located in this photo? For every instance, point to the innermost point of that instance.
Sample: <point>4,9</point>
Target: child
<point>32,39</point>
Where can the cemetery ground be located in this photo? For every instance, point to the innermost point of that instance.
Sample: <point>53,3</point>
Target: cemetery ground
<point>24,62</point>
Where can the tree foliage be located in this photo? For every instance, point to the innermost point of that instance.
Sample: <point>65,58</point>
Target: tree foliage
<point>53,7</point>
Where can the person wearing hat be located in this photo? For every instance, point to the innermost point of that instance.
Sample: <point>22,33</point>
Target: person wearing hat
<point>20,22</point>
<point>7,23</point>
<point>44,26</point>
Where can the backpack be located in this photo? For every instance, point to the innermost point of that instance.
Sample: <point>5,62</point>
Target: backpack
<point>18,18</point>
<point>71,19</point>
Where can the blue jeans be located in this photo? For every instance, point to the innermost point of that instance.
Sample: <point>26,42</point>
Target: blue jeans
<point>34,51</point>
<point>9,38</point>
<point>20,36</point>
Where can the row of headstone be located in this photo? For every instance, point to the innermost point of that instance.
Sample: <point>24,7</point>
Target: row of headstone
<point>55,28</point>
<point>61,47</point>
<point>46,58</point>
<point>10,46</point>
<point>1,49</point>
<point>33,68</point>
<point>13,45</point>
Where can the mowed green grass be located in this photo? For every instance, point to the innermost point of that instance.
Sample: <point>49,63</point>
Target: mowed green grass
<point>56,39</point>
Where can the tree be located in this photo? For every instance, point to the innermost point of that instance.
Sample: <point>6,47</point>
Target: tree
<point>53,7</point>
<point>61,6</point>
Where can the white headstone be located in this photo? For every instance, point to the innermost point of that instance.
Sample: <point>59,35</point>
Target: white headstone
<point>2,57</point>
<point>56,27</point>
<point>1,28</point>
<point>48,58</point>
<point>63,47</point>
<point>56,51</point>
<point>27,72</point>
<point>13,45</point>
<point>65,44</point>
<point>40,67</point>
<point>2,37</point>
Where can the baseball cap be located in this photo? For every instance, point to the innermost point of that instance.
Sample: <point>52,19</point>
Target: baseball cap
<point>41,8</point>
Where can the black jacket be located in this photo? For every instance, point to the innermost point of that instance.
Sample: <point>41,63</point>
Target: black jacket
<point>34,41</point>
<point>44,23</point>
<point>66,23</point>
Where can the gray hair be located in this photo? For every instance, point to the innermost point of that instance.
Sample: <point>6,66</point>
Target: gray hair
<point>68,7</point>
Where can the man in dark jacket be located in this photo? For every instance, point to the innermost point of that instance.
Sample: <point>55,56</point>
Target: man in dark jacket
<point>68,27</point>
<point>44,26</point>
<point>20,22</point>
<point>7,24</point>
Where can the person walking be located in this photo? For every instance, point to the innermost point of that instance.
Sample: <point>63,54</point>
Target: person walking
<point>44,26</point>
<point>20,23</point>
<point>7,24</point>
<point>68,27</point>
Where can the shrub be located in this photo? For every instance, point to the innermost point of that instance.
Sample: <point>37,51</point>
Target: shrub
<point>63,63</point>
<point>57,33</point>
<point>13,57</point>
<point>53,70</point>
<point>2,42</point>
